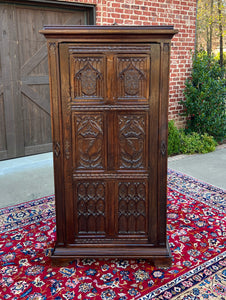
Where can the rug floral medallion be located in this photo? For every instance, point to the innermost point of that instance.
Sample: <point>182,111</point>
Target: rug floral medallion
<point>197,238</point>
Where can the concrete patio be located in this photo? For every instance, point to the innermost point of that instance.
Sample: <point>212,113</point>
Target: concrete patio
<point>28,178</point>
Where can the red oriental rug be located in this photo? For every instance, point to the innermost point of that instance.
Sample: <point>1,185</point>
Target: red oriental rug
<point>197,237</point>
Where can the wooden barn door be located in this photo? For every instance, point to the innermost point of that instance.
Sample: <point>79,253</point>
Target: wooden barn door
<point>25,126</point>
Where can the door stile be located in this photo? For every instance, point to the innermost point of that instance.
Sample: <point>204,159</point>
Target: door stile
<point>163,141</point>
<point>153,141</point>
<point>67,140</point>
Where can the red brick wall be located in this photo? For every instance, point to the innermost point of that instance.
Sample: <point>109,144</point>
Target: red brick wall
<point>181,14</point>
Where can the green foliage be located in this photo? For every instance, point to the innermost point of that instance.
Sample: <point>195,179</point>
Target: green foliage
<point>180,142</point>
<point>205,97</point>
<point>173,139</point>
<point>196,143</point>
<point>217,58</point>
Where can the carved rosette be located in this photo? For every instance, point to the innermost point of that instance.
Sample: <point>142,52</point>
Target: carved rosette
<point>131,208</point>
<point>131,141</point>
<point>91,207</point>
<point>90,145</point>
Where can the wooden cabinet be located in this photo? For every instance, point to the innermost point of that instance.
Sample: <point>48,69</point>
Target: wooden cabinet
<point>109,99</point>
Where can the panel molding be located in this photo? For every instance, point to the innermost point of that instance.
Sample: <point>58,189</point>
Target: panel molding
<point>110,176</point>
<point>111,107</point>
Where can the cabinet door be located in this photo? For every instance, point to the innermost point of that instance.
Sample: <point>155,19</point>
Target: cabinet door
<point>131,123</point>
<point>109,97</point>
<point>85,137</point>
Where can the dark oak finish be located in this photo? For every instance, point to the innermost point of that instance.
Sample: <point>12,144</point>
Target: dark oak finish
<point>109,99</point>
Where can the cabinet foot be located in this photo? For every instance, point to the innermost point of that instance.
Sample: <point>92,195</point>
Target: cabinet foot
<point>162,262</point>
<point>60,262</point>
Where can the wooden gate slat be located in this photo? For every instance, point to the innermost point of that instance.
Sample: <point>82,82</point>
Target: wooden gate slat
<point>32,95</point>
<point>34,61</point>
<point>1,89</point>
<point>35,79</point>
<point>39,55</point>
<point>10,71</point>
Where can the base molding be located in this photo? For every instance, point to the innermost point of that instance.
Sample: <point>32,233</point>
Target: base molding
<point>159,256</point>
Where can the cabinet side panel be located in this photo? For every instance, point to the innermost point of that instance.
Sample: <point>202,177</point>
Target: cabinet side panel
<point>153,141</point>
<point>67,183</point>
<point>163,138</point>
<point>57,138</point>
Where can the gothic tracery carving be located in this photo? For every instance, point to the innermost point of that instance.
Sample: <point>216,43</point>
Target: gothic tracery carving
<point>131,208</point>
<point>88,77</point>
<point>131,76</point>
<point>91,207</point>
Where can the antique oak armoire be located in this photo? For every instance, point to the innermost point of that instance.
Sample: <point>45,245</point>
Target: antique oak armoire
<point>109,99</point>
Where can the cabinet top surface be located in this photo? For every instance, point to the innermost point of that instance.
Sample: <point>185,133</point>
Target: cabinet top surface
<point>109,32</point>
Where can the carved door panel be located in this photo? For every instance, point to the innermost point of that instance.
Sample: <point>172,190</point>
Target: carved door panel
<point>132,143</point>
<point>132,208</point>
<point>88,77</point>
<point>89,141</point>
<point>132,73</point>
<point>91,208</point>
<point>106,125</point>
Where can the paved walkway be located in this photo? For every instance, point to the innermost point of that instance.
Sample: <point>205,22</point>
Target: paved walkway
<point>209,167</point>
<point>28,178</point>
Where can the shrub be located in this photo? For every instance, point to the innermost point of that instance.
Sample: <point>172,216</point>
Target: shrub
<point>204,103</point>
<point>196,143</point>
<point>208,143</point>
<point>181,142</point>
<point>173,139</point>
